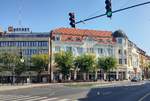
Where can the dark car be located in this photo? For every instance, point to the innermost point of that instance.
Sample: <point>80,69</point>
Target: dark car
<point>135,79</point>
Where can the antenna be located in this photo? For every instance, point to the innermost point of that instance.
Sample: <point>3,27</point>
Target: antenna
<point>20,9</point>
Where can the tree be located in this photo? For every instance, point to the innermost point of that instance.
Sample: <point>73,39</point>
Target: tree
<point>107,64</point>
<point>101,65</point>
<point>147,67</point>
<point>40,62</point>
<point>110,63</point>
<point>11,62</point>
<point>11,66</point>
<point>64,61</point>
<point>85,63</point>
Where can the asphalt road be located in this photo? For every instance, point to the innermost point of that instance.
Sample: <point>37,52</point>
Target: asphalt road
<point>60,93</point>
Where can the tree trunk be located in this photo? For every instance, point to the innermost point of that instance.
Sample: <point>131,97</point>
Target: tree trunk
<point>87,76</point>
<point>104,76</point>
<point>75,75</point>
<point>60,76</point>
<point>84,76</point>
<point>109,75</point>
<point>69,76</point>
<point>95,75</point>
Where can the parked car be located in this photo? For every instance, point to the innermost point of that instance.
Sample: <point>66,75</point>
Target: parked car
<point>135,79</point>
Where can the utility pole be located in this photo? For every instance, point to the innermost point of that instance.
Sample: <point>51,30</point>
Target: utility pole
<point>50,55</point>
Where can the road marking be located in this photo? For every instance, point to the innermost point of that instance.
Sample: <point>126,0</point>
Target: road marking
<point>142,98</point>
<point>28,98</point>
<point>49,99</point>
<point>64,100</point>
<point>39,98</point>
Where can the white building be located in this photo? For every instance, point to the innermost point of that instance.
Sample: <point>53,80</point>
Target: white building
<point>102,44</point>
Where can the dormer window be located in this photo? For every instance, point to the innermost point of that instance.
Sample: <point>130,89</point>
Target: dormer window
<point>120,41</point>
<point>100,40</point>
<point>57,38</point>
<point>69,38</point>
<point>77,39</point>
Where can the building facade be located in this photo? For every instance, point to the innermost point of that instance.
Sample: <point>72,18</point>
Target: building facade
<point>102,44</point>
<point>23,40</point>
<point>131,60</point>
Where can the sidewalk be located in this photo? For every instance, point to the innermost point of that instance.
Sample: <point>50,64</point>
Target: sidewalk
<point>7,87</point>
<point>98,83</point>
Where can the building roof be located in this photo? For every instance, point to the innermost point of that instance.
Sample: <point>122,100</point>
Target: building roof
<point>119,33</point>
<point>85,32</point>
<point>78,35</point>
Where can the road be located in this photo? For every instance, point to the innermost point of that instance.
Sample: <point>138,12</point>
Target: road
<point>125,92</point>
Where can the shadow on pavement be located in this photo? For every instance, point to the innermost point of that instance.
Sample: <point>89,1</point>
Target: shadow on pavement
<point>110,93</point>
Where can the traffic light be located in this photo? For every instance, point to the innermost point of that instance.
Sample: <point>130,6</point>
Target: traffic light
<point>108,8</point>
<point>72,19</point>
<point>20,55</point>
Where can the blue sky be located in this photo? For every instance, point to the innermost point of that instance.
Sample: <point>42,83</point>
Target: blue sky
<point>45,15</point>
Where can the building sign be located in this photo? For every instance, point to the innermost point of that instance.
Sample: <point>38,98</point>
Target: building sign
<point>18,30</point>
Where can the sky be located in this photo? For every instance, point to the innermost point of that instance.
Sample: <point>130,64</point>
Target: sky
<point>46,15</point>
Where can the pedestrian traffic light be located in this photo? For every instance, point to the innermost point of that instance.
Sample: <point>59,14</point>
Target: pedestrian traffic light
<point>108,8</point>
<point>72,19</point>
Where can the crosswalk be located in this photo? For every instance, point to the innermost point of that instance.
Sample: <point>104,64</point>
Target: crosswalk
<point>30,98</point>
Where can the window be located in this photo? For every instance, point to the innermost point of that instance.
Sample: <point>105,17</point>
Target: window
<point>79,50</point>
<point>110,51</point>
<point>120,41</point>
<point>68,48</point>
<point>78,39</point>
<point>69,38</point>
<point>90,50</point>
<point>120,61</point>
<point>125,52</point>
<point>119,51</point>
<point>57,48</point>
<point>100,51</point>
<point>57,38</point>
<point>100,40</point>
<point>125,60</point>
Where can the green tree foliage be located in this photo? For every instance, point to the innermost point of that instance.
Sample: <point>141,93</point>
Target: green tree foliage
<point>110,63</point>
<point>85,62</point>
<point>11,62</point>
<point>64,61</point>
<point>40,62</point>
<point>107,63</point>
<point>101,63</point>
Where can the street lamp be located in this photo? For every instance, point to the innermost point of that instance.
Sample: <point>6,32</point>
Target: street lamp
<point>22,60</point>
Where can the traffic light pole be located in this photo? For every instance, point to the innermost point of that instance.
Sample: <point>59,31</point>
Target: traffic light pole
<point>113,12</point>
<point>50,55</point>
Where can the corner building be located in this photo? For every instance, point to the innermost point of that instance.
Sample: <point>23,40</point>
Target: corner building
<point>102,44</point>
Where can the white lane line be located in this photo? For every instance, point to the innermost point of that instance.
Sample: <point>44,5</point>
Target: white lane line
<point>49,99</point>
<point>64,100</point>
<point>18,97</point>
<point>21,98</point>
<point>40,98</point>
<point>142,98</point>
<point>28,98</point>
<point>9,97</point>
